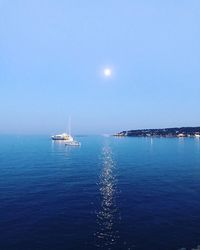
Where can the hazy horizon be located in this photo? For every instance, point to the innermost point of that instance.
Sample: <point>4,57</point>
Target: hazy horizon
<point>52,57</point>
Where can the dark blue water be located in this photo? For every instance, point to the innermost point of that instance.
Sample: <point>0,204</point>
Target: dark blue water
<point>111,193</point>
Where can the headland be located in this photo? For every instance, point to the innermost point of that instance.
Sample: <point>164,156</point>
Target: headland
<point>163,132</point>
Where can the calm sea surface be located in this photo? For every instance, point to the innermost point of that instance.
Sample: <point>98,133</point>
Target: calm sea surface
<point>110,193</point>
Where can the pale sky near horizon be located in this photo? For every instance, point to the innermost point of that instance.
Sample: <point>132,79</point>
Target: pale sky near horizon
<point>53,54</point>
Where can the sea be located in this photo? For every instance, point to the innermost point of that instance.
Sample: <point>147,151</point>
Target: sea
<point>110,193</point>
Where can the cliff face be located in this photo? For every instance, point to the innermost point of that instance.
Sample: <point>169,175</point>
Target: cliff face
<point>165,132</point>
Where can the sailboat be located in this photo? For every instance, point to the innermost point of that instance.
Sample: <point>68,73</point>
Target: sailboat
<point>67,138</point>
<point>62,137</point>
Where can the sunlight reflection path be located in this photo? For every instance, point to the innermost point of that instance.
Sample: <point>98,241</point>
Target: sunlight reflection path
<point>108,214</point>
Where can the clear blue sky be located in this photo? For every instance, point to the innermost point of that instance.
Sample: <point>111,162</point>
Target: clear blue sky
<point>52,54</point>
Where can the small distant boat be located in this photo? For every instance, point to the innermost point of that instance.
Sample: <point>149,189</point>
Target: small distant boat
<point>73,143</point>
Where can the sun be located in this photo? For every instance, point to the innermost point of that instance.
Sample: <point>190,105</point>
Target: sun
<point>107,72</point>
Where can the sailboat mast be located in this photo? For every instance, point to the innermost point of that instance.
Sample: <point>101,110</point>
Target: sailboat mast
<point>69,125</point>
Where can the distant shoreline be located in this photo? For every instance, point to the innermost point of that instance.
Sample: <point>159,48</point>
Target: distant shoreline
<point>164,132</point>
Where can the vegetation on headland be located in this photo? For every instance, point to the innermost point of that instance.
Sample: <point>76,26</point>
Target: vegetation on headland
<point>164,132</point>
